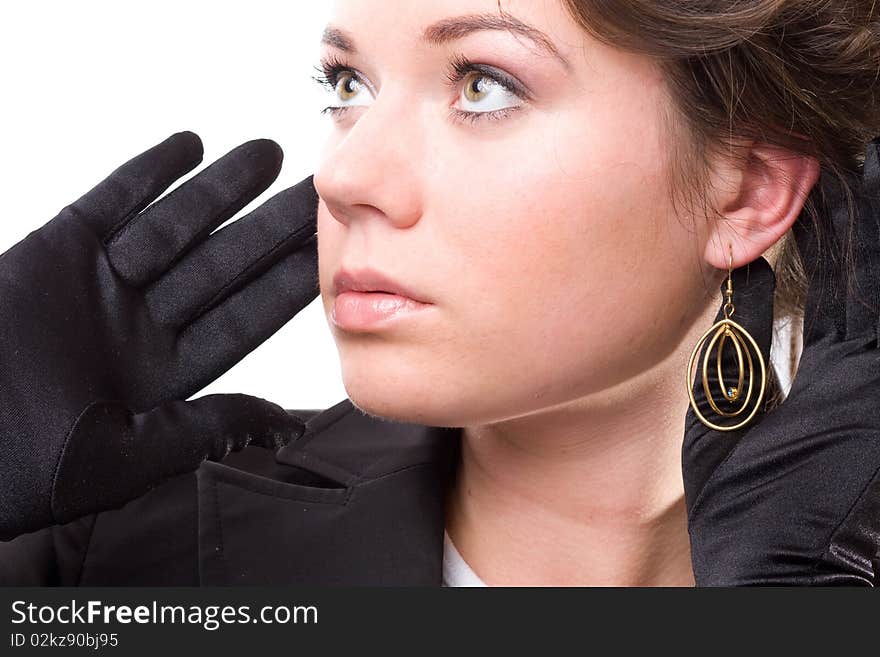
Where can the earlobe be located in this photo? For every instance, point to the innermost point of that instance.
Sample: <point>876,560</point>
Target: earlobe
<point>774,186</point>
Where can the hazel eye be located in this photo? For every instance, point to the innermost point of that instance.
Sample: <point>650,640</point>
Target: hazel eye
<point>478,86</point>
<point>342,81</point>
<point>347,86</point>
<point>486,92</point>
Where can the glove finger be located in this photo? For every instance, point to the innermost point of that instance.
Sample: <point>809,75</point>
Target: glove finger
<point>145,247</point>
<point>824,307</point>
<point>863,302</point>
<point>114,455</point>
<point>226,333</point>
<point>235,255</point>
<point>704,448</point>
<point>132,186</point>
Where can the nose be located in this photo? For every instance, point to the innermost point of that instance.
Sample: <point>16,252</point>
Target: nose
<point>373,165</point>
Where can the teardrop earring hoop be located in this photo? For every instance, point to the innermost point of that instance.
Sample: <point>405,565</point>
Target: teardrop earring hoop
<point>722,331</point>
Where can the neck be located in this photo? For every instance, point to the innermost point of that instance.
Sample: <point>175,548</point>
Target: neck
<point>586,493</point>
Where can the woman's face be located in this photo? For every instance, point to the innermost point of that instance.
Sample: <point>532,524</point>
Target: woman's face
<point>543,235</point>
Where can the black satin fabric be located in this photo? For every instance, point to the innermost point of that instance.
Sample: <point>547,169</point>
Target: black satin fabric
<point>357,500</point>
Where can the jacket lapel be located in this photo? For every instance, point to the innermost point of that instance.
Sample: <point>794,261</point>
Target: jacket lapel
<point>356,500</point>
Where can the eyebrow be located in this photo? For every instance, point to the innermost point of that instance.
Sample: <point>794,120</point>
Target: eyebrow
<point>452,29</point>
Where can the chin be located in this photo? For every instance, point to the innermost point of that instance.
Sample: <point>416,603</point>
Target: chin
<point>401,403</point>
<point>400,394</point>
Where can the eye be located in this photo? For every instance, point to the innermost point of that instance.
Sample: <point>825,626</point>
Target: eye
<point>483,85</point>
<point>485,82</point>
<point>339,78</point>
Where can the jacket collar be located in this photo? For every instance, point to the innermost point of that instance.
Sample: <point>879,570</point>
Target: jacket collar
<point>356,500</point>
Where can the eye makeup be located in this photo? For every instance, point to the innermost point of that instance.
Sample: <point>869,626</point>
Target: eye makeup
<point>333,69</point>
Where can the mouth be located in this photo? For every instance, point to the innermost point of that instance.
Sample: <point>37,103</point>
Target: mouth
<point>368,300</point>
<point>371,310</point>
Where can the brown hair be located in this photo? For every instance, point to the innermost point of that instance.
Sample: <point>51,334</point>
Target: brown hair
<point>800,74</point>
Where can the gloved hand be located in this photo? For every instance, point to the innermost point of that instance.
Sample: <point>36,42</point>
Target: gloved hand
<point>113,315</point>
<point>793,497</point>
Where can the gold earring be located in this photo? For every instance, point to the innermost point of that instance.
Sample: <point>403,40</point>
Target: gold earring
<point>723,330</point>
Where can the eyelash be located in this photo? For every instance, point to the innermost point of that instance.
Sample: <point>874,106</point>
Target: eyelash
<point>460,66</point>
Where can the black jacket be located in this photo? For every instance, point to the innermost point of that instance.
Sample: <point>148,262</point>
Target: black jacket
<point>355,500</point>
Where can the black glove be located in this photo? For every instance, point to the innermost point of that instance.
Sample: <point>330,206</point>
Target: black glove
<point>793,498</point>
<point>113,316</point>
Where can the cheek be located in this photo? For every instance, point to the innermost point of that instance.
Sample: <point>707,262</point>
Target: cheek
<point>573,274</point>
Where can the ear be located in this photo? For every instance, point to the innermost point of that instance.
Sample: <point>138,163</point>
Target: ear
<point>759,201</point>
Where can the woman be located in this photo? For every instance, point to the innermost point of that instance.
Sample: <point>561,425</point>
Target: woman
<point>556,190</point>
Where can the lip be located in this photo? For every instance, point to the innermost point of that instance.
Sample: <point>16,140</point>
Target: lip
<point>366,312</point>
<point>372,280</point>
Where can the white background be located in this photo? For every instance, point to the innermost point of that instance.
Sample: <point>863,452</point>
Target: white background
<point>88,85</point>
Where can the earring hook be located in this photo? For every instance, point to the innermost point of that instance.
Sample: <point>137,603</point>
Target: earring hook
<point>728,306</point>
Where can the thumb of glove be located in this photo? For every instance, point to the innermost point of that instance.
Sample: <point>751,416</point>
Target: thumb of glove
<point>704,448</point>
<point>113,455</point>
